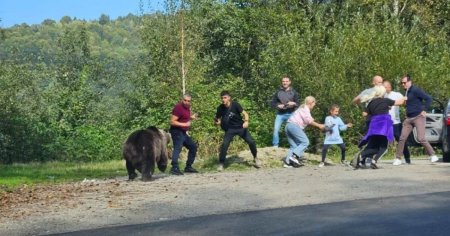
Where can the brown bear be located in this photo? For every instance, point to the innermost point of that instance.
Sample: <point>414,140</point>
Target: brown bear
<point>142,149</point>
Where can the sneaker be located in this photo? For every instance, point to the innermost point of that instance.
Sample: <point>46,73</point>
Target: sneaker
<point>190,169</point>
<point>397,162</point>
<point>321,164</point>
<point>220,167</point>
<point>294,162</point>
<point>344,162</point>
<point>175,171</point>
<point>257,162</point>
<point>434,158</point>
<point>286,164</point>
<point>373,165</point>
<point>275,146</point>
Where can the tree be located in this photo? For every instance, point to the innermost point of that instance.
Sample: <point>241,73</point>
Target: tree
<point>104,19</point>
<point>65,20</point>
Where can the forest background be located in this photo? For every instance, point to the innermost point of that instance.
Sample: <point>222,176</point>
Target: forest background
<point>73,90</point>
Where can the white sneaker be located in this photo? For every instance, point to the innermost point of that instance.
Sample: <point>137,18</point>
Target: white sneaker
<point>397,162</point>
<point>294,162</point>
<point>287,165</point>
<point>293,159</point>
<point>321,164</point>
<point>434,158</point>
<point>220,167</point>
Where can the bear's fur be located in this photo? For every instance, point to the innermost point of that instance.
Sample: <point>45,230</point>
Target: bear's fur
<point>143,149</point>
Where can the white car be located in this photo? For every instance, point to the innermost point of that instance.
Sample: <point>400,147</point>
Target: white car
<point>437,128</point>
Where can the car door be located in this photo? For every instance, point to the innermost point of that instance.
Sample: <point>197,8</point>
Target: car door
<point>433,125</point>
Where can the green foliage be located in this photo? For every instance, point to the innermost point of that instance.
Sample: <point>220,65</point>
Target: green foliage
<point>73,90</point>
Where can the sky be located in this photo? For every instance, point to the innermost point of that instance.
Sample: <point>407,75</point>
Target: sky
<point>35,11</point>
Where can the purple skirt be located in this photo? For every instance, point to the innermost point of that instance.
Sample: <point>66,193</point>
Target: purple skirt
<point>379,125</point>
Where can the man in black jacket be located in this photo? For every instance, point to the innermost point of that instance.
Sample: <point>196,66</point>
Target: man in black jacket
<point>285,100</point>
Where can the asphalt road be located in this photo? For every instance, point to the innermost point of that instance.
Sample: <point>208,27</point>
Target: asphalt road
<point>423,214</point>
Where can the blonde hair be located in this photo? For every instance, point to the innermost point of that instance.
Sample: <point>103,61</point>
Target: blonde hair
<point>376,92</point>
<point>308,100</point>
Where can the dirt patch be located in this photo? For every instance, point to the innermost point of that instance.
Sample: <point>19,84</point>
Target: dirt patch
<point>90,204</point>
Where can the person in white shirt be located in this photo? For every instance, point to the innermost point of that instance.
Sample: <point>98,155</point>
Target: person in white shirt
<point>395,116</point>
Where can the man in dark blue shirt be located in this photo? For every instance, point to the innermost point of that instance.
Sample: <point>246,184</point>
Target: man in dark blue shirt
<point>417,103</point>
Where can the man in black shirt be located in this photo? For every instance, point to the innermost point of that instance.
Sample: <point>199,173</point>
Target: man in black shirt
<point>228,116</point>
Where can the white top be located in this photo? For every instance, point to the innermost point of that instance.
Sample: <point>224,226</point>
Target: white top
<point>395,110</point>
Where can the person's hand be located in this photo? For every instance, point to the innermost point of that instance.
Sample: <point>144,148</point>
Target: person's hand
<point>423,113</point>
<point>188,124</point>
<point>321,126</point>
<point>349,125</point>
<point>280,106</point>
<point>365,114</point>
<point>245,125</point>
<point>216,121</point>
<point>291,104</point>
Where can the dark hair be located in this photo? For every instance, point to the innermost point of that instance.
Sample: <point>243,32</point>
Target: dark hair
<point>408,77</point>
<point>332,107</point>
<point>225,93</point>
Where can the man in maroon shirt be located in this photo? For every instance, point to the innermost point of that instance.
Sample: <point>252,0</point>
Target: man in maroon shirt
<point>180,122</point>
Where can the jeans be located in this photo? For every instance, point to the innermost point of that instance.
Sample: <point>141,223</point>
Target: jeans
<point>297,139</point>
<point>408,124</point>
<point>397,132</point>
<point>229,134</point>
<point>279,120</point>
<point>180,139</point>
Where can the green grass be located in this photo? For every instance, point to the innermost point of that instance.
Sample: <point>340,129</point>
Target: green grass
<point>16,175</point>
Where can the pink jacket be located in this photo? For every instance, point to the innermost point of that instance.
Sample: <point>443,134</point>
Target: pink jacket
<point>301,117</point>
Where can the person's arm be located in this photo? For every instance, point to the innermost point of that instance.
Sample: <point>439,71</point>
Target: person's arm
<point>275,102</point>
<point>320,126</point>
<point>218,117</point>
<point>174,122</point>
<point>399,102</point>
<point>427,98</point>
<point>246,119</point>
<point>296,99</point>
<point>341,125</point>
<point>356,100</point>
<point>294,103</point>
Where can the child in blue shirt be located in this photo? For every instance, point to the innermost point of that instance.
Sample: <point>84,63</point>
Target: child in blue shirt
<point>334,124</point>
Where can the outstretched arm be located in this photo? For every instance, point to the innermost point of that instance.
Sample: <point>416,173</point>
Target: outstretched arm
<point>245,125</point>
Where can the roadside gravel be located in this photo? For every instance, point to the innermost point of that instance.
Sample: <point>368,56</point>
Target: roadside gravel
<point>99,203</point>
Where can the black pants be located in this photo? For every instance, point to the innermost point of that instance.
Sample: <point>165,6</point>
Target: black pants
<point>397,133</point>
<point>377,145</point>
<point>229,135</point>
<point>325,150</point>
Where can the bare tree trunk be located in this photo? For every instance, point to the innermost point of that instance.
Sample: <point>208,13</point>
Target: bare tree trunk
<point>395,7</point>
<point>183,71</point>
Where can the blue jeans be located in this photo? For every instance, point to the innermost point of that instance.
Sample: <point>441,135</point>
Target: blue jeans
<point>180,139</point>
<point>279,120</point>
<point>297,139</point>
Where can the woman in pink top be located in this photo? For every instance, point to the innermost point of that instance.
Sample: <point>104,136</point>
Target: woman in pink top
<point>295,132</point>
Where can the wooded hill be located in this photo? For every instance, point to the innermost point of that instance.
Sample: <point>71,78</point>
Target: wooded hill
<point>73,90</point>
